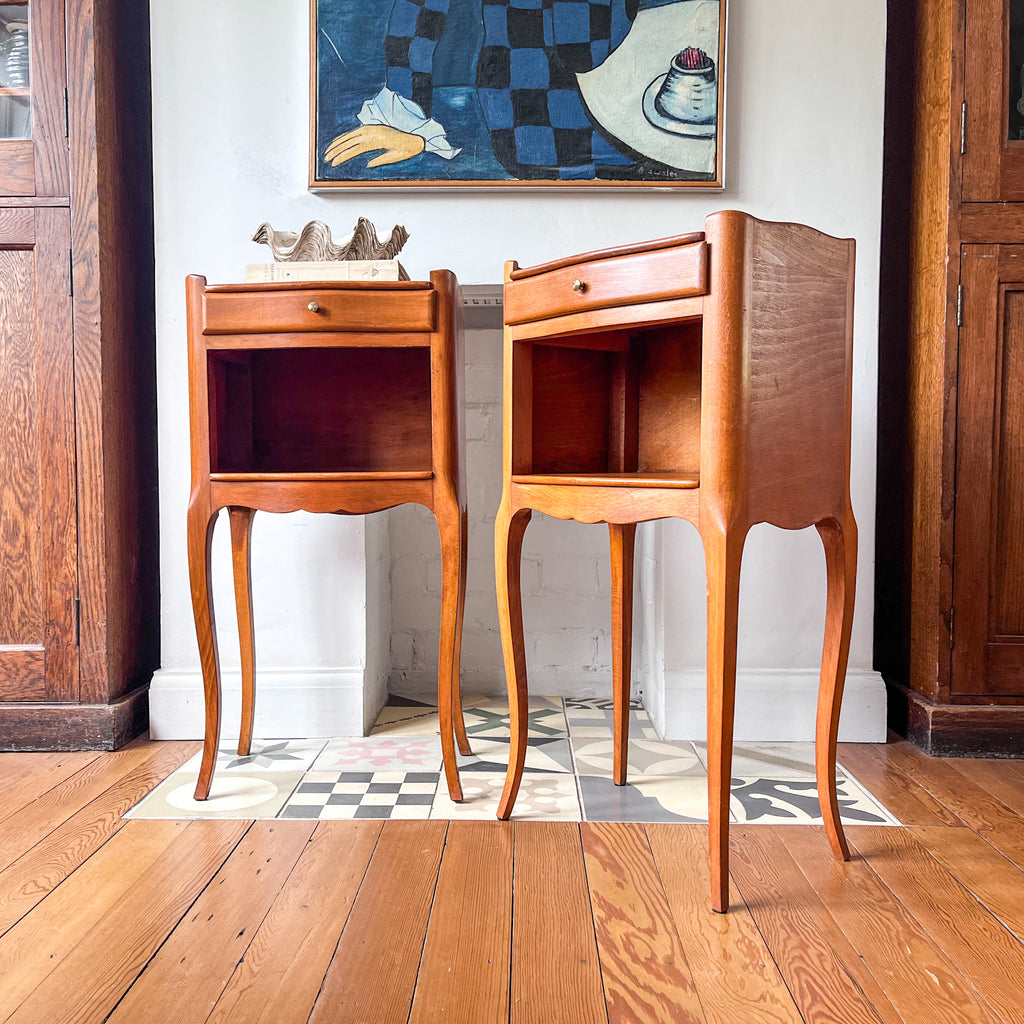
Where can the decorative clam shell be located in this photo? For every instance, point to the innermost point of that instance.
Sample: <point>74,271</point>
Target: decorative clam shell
<point>314,243</point>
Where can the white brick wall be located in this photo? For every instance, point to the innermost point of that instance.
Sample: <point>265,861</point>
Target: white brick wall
<point>565,573</point>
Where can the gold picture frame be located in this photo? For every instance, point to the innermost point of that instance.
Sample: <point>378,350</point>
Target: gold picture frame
<point>497,94</point>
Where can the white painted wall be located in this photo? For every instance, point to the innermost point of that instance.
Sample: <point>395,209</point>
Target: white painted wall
<point>804,142</point>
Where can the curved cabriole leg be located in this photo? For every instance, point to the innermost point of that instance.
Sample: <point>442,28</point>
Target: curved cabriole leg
<point>622,546</point>
<point>840,542</point>
<point>508,550</point>
<point>449,526</point>
<point>723,552</point>
<point>201,522</point>
<point>241,532</point>
<point>460,721</point>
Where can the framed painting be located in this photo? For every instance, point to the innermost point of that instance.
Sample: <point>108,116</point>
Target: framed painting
<point>499,93</point>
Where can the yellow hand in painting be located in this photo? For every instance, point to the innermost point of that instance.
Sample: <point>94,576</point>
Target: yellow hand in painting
<point>397,145</point>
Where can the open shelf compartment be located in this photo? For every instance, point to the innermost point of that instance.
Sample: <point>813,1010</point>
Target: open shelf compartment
<point>320,411</point>
<point>613,408</point>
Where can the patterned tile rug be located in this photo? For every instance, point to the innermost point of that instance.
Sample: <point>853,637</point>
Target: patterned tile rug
<point>396,772</point>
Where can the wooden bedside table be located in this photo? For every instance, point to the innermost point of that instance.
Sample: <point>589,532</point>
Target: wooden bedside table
<point>705,377</point>
<point>324,397</point>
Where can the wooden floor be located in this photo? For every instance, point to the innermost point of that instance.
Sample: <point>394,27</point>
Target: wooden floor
<point>481,922</point>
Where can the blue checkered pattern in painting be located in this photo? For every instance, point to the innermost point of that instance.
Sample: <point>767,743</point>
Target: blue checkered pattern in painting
<point>526,78</point>
<point>414,29</point>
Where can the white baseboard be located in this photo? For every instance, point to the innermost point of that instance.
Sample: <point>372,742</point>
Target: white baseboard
<point>306,703</point>
<point>546,682</point>
<point>771,705</point>
<point>774,706</point>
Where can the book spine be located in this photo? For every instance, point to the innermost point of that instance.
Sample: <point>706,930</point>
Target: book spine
<point>337,270</point>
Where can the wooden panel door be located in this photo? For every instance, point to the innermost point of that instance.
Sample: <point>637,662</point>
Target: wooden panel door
<point>38,551</point>
<point>988,563</point>
<point>33,101</point>
<point>993,168</point>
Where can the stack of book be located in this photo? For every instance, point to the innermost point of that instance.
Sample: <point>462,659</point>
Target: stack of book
<point>327,270</point>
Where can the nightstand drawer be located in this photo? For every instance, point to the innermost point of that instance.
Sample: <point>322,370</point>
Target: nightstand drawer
<point>670,271</point>
<point>264,309</point>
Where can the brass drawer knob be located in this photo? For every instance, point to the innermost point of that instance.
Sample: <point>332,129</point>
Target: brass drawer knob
<point>579,286</point>
<point>314,307</point>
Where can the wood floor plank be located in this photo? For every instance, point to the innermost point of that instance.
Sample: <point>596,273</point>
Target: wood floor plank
<point>643,965</point>
<point>910,802</point>
<point>200,955</point>
<point>917,977</point>
<point>40,941</point>
<point>33,822</point>
<point>1004,779</point>
<point>278,979</point>
<point>827,978</point>
<point>25,777</point>
<point>984,952</point>
<point>976,864</point>
<point>464,972</point>
<point>556,974</point>
<point>25,882</point>
<point>373,973</point>
<point>98,971</point>
<point>353,921</point>
<point>733,970</point>
<point>974,805</point>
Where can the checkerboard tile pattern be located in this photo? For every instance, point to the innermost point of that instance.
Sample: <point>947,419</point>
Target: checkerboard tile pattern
<point>396,772</point>
<point>363,795</point>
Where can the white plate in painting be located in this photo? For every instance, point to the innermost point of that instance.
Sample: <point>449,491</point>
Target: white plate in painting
<point>672,124</point>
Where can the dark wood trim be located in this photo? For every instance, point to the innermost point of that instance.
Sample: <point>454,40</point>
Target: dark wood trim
<point>956,730</point>
<point>893,526</point>
<point>74,726</point>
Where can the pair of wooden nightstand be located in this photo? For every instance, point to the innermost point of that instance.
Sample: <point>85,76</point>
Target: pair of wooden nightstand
<point>705,377</point>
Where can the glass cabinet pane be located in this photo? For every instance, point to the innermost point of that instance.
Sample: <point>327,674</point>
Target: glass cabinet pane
<point>1015,22</point>
<point>14,72</point>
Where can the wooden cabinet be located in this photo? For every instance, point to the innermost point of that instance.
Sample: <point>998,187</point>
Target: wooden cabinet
<point>78,560</point>
<point>949,610</point>
<point>988,547</point>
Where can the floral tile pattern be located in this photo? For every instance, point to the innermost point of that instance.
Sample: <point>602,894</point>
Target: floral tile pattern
<point>381,753</point>
<point>546,717</point>
<point>543,754</point>
<point>263,756</point>
<point>595,704</point>
<point>541,798</point>
<point>644,757</point>
<point>397,772</point>
<point>795,801</point>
